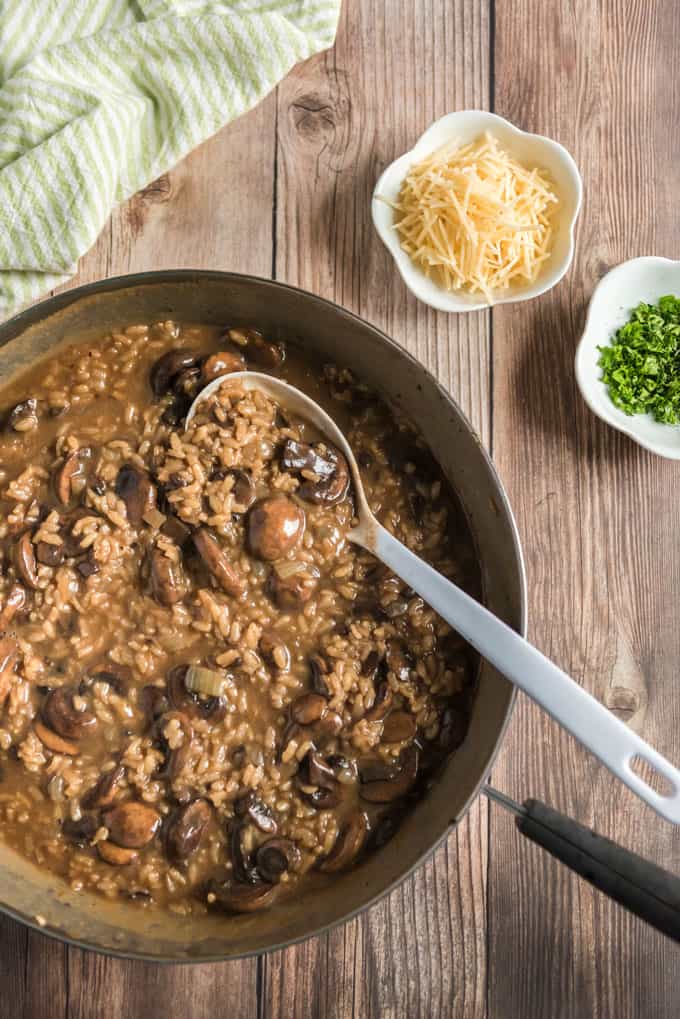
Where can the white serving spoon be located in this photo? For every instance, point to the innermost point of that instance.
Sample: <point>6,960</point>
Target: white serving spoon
<point>584,717</point>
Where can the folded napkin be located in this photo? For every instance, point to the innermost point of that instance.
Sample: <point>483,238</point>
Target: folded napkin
<point>100,97</point>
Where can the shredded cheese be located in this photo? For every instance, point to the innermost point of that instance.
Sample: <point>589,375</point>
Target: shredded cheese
<point>475,219</point>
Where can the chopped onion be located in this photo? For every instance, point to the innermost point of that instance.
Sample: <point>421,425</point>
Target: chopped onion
<point>289,568</point>
<point>198,679</point>
<point>55,788</point>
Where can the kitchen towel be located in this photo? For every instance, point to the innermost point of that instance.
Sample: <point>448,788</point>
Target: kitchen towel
<point>100,97</point>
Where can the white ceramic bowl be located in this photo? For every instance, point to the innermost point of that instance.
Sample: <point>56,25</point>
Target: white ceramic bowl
<point>615,296</point>
<point>530,149</point>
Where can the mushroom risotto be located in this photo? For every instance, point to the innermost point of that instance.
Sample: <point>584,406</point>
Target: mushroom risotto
<point>207,693</point>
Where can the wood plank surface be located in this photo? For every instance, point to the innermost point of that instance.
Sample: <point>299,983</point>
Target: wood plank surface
<point>341,119</point>
<point>489,928</point>
<point>596,512</point>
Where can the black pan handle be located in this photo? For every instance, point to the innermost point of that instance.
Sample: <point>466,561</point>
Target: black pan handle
<point>640,886</point>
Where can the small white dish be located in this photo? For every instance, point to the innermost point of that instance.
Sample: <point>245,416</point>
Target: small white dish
<point>530,149</point>
<point>615,296</point>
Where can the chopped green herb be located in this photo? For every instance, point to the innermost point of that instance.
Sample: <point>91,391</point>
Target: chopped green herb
<point>641,365</point>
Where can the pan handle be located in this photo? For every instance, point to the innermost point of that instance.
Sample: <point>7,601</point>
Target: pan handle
<point>650,892</point>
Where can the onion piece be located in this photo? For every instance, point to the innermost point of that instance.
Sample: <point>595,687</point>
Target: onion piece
<point>289,568</point>
<point>198,679</point>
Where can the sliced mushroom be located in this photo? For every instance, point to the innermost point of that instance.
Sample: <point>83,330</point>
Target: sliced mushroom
<point>308,708</point>
<point>213,709</point>
<point>244,869</point>
<point>9,655</point>
<point>187,384</point>
<point>328,726</point>
<point>63,718</point>
<point>168,582</point>
<point>344,769</point>
<point>332,490</point>
<point>314,772</point>
<point>382,703</point>
<point>133,824</point>
<point>186,829</point>
<point>23,557</point>
<point>223,362</point>
<point>88,565</point>
<point>176,530</point>
<point>117,676</point>
<point>394,788</point>
<point>71,541</point>
<point>292,591</point>
<point>398,727</point>
<point>215,560</point>
<point>135,487</point>
<point>275,527</point>
<point>167,367</point>
<point>53,742</point>
<point>117,856</point>
<point>74,468</point>
<point>176,759</point>
<point>319,669</point>
<point>250,806</point>
<point>243,489</point>
<point>14,604</point>
<point>377,769</point>
<point>152,702</point>
<point>82,831</point>
<point>322,799</point>
<point>301,456</point>
<point>348,845</point>
<point>258,350</point>
<point>293,731</point>
<point>103,794</point>
<point>324,461</point>
<point>275,857</point>
<point>177,410</point>
<point>370,665</point>
<point>24,416</point>
<point>274,651</point>
<point>49,554</point>
<point>241,898</point>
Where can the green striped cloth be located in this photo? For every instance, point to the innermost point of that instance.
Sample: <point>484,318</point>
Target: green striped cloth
<point>99,97</point>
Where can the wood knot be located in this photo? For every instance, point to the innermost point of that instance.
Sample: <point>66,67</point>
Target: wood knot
<point>312,116</point>
<point>158,190</point>
<point>622,701</point>
<point>139,206</point>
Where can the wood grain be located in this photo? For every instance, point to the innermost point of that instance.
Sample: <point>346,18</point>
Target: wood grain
<point>596,513</point>
<point>489,928</point>
<point>215,211</point>
<point>341,119</point>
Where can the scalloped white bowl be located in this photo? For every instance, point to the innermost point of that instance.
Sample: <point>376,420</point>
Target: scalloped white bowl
<point>530,149</point>
<point>615,296</point>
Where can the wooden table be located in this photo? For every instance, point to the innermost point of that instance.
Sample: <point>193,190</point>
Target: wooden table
<point>490,927</point>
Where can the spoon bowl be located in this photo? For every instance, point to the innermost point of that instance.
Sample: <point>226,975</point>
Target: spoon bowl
<point>524,665</point>
<point>299,403</point>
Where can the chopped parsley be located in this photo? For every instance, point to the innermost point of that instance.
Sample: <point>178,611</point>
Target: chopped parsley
<point>641,365</point>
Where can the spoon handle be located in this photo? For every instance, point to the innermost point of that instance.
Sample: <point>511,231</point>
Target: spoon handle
<point>568,703</point>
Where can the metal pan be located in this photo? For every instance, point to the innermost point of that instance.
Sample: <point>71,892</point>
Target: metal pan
<point>211,297</point>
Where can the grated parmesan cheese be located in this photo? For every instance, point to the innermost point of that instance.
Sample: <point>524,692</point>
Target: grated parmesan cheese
<point>475,219</point>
